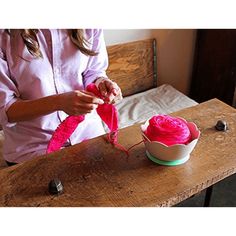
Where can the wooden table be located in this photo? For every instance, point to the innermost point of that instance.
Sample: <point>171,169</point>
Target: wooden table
<point>94,173</point>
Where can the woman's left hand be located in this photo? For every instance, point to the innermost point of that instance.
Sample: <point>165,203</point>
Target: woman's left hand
<point>109,89</point>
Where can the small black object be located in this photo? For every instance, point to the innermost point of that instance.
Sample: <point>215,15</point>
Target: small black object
<point>55,186</point>
<point>221,125</point>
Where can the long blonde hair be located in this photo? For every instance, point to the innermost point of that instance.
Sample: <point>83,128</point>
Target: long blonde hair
<point>77,36</point>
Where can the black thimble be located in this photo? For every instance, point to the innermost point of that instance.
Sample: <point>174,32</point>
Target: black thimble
<point>55,186</point>
<point>221,125</point>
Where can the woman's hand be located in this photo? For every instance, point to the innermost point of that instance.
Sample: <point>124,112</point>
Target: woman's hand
<point>78,102</point>
<point>109,89</point>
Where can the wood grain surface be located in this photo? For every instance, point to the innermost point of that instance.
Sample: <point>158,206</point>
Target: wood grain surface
<point>131,65</point>
<point>94,173</point>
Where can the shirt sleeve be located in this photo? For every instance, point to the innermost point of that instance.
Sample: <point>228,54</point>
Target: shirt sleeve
<point>98,64</point>
<point>8,91</point>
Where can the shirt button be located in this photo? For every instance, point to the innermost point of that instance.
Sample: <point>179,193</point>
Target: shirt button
<point>56,71</point>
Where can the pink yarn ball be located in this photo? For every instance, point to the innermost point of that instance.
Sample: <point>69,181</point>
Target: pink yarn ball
<point>168,130</point>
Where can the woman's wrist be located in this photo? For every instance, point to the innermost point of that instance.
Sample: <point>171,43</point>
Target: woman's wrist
<point>99,80</point>
<point>59,101</point>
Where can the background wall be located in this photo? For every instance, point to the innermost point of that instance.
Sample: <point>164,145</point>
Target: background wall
<point>175,51</point>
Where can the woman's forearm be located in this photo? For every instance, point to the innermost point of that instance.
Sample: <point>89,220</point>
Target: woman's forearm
<point>24,110</point>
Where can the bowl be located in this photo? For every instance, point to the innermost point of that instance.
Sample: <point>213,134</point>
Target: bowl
<point>170,155</point>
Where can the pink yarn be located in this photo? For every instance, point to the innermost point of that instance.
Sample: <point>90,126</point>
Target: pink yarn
<point>168,130</point>
<point>63,132</point>
<point>107,112</point>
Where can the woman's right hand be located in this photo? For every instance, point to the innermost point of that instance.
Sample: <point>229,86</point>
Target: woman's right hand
<point>78,102</point>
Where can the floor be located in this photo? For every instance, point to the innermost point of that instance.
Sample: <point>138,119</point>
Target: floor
<point>223,195</point>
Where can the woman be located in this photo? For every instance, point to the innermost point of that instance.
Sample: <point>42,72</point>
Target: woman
<point>43,76</point>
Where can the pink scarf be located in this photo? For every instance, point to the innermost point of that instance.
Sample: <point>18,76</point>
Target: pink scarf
<point>107,112</point>
<point>168,130</point>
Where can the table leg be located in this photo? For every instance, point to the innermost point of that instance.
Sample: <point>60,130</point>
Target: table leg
<point>208,196</point>
<point>234,99</point>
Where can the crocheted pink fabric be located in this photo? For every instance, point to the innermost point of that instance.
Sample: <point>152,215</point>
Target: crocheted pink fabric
<point>63,132</point>
<point>107,112</point>
<point>168,130</point>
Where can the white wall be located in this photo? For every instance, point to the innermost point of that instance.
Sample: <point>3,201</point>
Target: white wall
<point>175,51</point>
<point>119,36</point>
